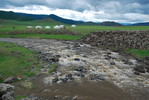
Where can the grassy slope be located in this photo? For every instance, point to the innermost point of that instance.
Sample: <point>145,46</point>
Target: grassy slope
<point>139,53</point>
<point>17,61</point>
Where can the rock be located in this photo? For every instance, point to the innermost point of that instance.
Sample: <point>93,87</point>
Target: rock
<point>64,79</point>
<point>96,77</point>
<point>80,75</point>
<point>127,62</point>
<point>76,59</point>
<point>6,92</point>
<point>81,69</point>
<point>136,73</point>
<point>140,68</point>
<point>55,80</point>
<point>75,98</point>
<point>112,63</point>
<point>4,88</point>
<point>9,96</point>
<point>69,77</point>
<point>10,79</point>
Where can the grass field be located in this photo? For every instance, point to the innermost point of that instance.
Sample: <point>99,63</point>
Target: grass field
<point>139,53</point>
<point>11,65</point>
<point>17,61</point>
<point>84,30</point>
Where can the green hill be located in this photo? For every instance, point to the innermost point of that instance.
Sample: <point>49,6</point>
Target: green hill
<point>50,21</point>
<point>13,16</point>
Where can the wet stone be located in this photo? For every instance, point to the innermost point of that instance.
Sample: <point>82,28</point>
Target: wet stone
<point>76,59</point>
<point>97,77</point>
<point>69,77</point>
<point>64,79</point>
<point>10,79</point>
<point>112,63</point>
<point>81,69</point>
<point>136,73</point>
<point>80,75</point>
<point>55,80</point>
<point>140,68</point>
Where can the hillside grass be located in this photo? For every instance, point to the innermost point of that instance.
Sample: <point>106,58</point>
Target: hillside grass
<point>139,53</point>
<point>84,30</point>
<point>17,61</point>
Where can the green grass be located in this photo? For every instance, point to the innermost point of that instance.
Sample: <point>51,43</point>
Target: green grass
<point>139,53</point>
<point>42,36</point>
<point>53,68</point>
<point>20,97</point>
<point>17,61</point>
<point>84,30</point>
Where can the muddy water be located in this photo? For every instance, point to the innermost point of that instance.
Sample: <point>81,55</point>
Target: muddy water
<point>84,90</point>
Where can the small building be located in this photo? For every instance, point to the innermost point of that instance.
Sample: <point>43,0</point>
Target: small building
<point>73,26</point>
<point>47,27</point>
<point>38,27</point>
<point>56,27</point>
<point>29,27</point>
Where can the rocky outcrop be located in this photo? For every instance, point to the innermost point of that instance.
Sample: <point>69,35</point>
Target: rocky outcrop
<point>119,39</point>
<point>6,92</point>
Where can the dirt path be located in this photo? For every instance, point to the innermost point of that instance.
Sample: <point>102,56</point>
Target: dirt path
<point>84,72</point>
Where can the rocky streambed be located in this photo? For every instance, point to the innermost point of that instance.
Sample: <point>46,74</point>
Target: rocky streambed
<point>83,72</point>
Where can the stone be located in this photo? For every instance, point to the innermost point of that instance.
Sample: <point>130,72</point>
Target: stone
<point>140,68</point>
<point>4,88</point>
<point>80,75</point>
<point>64,79</point>
<point>81,69</point>
<point>9,96</point>
<point>96,77</point>
<point>76,59</point>
<point>7,92</point>
<point>10,79</point>
<point>69,76</point>
<point>112,63</point>
<point>136,73</point>
<point>55,80</point>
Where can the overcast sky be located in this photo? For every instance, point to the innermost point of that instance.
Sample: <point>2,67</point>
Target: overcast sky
<point>124,11</point>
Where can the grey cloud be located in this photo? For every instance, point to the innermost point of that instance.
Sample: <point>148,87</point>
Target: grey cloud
<point>120,6</point>
<point>113,9</point>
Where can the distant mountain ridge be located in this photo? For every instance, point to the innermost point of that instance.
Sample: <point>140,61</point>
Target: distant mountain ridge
<point>141,24</point>
<point>14,16</point>
<point>68,21</point>
<point>9,15</point>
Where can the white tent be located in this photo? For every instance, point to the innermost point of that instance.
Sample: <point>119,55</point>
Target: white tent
<point>47,27</point>
<point>56,27</point>
<point>38,27</point>
<point>73,26</point>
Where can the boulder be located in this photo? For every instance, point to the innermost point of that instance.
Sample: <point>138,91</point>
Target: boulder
<point>6,92</point>
<point>81,69</point>
<point>10,79</point>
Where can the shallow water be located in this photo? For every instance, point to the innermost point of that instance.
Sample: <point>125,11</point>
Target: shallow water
<point>84,90</point>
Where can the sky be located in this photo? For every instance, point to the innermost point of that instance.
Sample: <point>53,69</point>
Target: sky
<point>122,11</point>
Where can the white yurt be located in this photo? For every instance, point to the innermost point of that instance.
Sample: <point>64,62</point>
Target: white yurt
<point>38,27</point>
<point>62,26</point>
<point>29,27</point>
<point>73,26</point>
<point>56,27</point>
<point>47,27</point>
